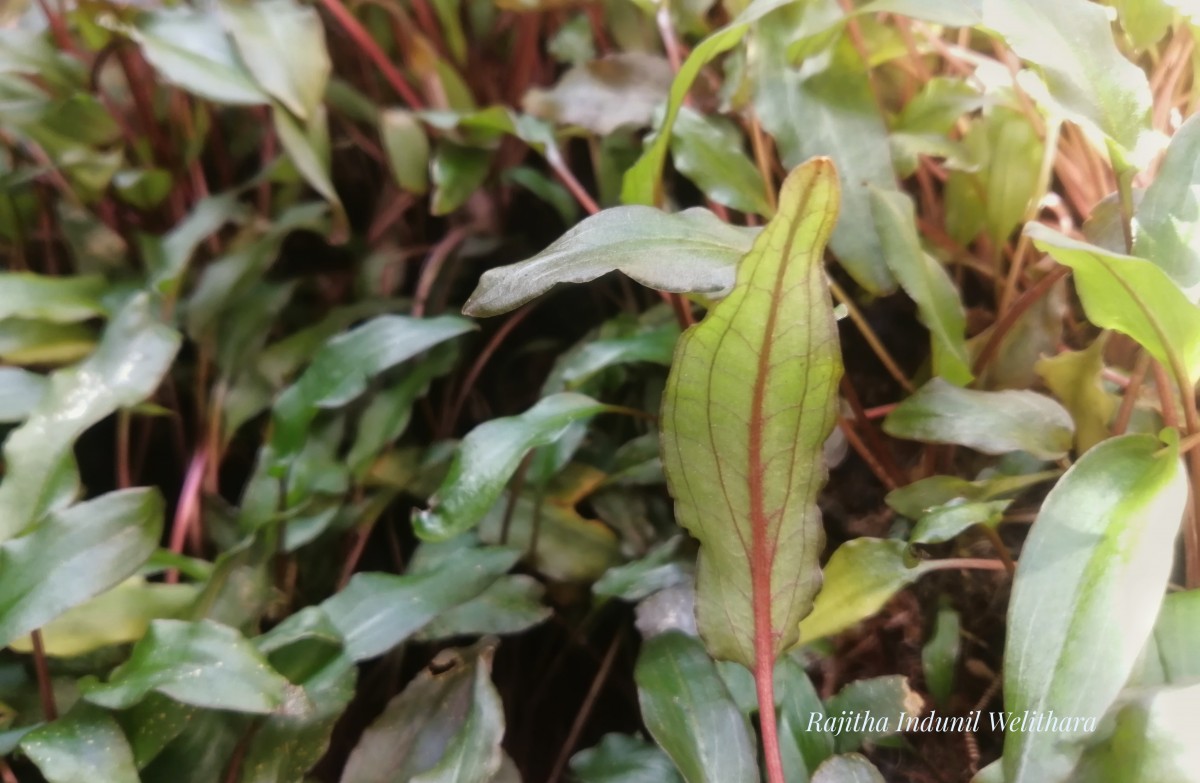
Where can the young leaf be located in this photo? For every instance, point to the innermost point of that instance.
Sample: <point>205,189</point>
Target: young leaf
<point>1087,589</point>
<point>991,422</point>
<point>861,576</point>
<point>204,664</point>
<point>1132,296</point>
<point>939,656</point>
<point>74,555</point>
<point>489,456</point>
<point>710,152</point>
<point>1075,378</point>
<point>946,522</point>
<point>689,712</point>
<point>1166,227</point>
<point>925,281</point>
<point>692,251</point>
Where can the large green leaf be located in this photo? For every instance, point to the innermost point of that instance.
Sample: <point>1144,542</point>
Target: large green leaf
<point>1152,738</point>
<point>861,576</point>
<point>748,406</point>
<point>1088,586</point>
<point>490,455</point>
<point>342,368</point>
<point>688,710</point>
<point>126,367</point>
<point>204,664</point>
<point>283,46</point>
<point>1132,296</point>
<point>74,555</point>
<point>691,252</point>
<point>1166,227</point>
<point>446,726</point>
<point>375,612</point>
<point>991,422</point>
<point>1071,40</point>
<point>86,745</point>
<point>925,281</point>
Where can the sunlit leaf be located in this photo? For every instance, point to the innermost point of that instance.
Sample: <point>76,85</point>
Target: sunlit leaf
<point>991,422</point>
<point>690,713</point>
<point>1075,378</point>
<point>748,406</point>
<point>1088,586</point>
<point>54,299</point>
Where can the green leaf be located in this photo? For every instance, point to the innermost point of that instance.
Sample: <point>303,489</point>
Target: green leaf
<point>1166,226</point>
<point>832,112</point>
<point>143,188</point>
<point>748,406</point>
<point>457,172</point>
<point>802,748</point>
<point>341,369</point>
<point>618,91</point>
<point>119,616</point>
<point>1132,296</point>
<point>20,393</point>
<point>25,342</point>
<point>886,697</point>
<point>691,251</point>
<point>1075,377</point>
<point>204,664</point>
<point>939,656</point>
<point>660,568</point>
<point>73,555</point>
<point>168,257</point>
<point>861,576</point>
<point>86,745</point>
<point>1088,586</point>
<point>282,44</point>
<point>925,281</point>
<point>691,715</point>
<point>132,357</point>
<point>308,147</point>
<point>1072,42</point>
<point>488,457</point>
<point>445,726</point>
<point>849,768</point>
<point>948,521</point>
<point>991,422</point>
<point>710,151</point>
<point>189,49</point>
<point>510,605</point>
<point>1171,653</point>
<point>1151,739</point>
<point>54,299</point>
<point>594,354</point>
<point>375,612</point>
<point>407,149</point>
<point>621,758</point>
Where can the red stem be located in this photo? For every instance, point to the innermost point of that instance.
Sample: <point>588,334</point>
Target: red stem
<point>367,44</point>
<point>188,508</point>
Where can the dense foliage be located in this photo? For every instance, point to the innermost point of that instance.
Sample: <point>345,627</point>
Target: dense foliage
<point>875,394</point>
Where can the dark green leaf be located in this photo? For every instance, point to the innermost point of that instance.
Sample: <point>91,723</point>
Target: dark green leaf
<point>620,758</point>
<point>710,151</point>
<point>690,713</point>
<point>457,172</point>
<point>74,555</point>
<point>204,664</point>
<point>877,697</point>
<point>86,745</point>
<point>939,656</point>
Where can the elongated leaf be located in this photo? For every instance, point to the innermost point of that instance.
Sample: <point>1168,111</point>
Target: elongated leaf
<point>861,576</point>
<point>407,149</point>
<point>921,497</point>
<point>283,46</point>
<point>690,713</point>
<point>125,368</point>
<point>1132,296</point>
<point>710,152</point>
<point>445,726</point>
<point>991,422</point>
<point>620,758</point>
<point>55,299</point>
<point>489,456</point>
<point>692,251</point>
<point>831,112</point>
<point>948,521</point>
<point>375,612</point>
<point>939,656</point>
<point>189,49</point>
<point>86,745</point>
<point>1166,226</point>
<point>1088,586</point>
<point>204,664</point>
<point>341,369</point>
<point>74,555</point>
<point>1075,377</point>
<point>308,147</point>
<point>926,281</point>
<point>1072,42</point>
<point>748,406</point>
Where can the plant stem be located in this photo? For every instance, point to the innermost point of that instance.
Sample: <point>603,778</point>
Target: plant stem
<point>45,685</point>
<point>367,44</point>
